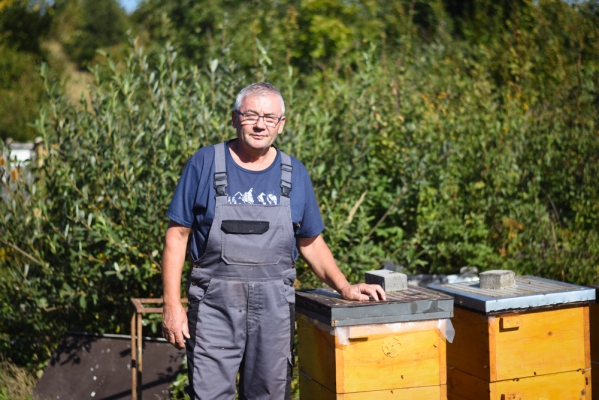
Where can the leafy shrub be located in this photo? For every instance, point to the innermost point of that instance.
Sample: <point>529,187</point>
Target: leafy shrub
<point>90,25</point>
<point>85,235</point>
<point>23,25</point>
<point>426,157</point>
<point>21,93</point>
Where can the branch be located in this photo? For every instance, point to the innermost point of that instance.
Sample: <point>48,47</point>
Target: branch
<point>29,256</point>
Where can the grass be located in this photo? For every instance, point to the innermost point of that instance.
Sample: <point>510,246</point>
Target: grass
<point>15,383</point>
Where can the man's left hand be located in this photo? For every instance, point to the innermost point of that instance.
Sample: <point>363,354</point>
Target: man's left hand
<point>363,292</point>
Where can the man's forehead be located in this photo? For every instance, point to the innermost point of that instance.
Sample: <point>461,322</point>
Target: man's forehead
<point>269,102</point>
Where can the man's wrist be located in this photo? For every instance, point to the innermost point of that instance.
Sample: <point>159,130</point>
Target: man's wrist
<point>342,288</point>
<point>171,302</point>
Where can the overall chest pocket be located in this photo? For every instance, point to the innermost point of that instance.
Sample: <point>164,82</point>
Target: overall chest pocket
<point>248,242</point>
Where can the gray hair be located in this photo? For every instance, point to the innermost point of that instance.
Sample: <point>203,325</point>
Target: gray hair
<point>259,89</point>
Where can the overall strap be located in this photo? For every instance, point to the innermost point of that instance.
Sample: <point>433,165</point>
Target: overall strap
<point>285,174</point>
<point>220,170</point>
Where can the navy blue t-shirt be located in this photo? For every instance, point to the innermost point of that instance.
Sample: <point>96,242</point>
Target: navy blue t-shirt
<point>194,199</point>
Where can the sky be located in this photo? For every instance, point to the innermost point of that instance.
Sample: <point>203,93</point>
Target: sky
<point>129,5</point>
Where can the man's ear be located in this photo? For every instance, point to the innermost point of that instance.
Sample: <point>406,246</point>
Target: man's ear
<point>233,115</point>
<point>281,125</point>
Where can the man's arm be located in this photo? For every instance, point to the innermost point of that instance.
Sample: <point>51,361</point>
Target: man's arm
<point>174,318</point>
<point>316,252</point>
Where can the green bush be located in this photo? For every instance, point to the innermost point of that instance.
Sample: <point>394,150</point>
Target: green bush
<point>22,25</point>
<point>434,156</point>
<point>21,94</point>
<point>89,25</point>
<point>85,235</point>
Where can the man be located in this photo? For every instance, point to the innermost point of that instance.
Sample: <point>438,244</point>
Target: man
<point>248,207</point>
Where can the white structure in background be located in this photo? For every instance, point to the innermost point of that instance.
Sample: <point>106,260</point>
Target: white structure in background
<point>21,152</point>
<point>467,274</point>
<point>16,155</point>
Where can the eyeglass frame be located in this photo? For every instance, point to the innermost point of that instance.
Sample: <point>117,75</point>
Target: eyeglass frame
<point>261,116</point>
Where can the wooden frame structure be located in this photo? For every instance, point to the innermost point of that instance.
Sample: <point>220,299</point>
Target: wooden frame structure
<point>139,309</point>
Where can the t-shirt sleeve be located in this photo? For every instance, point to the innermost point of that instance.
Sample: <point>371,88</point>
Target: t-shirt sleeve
<point>183,202</point>
<point>311,224</point>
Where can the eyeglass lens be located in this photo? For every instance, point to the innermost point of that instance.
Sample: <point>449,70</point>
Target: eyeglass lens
<point>251,118</point>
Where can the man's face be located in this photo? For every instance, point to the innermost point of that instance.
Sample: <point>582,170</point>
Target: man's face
<point>258,136</point>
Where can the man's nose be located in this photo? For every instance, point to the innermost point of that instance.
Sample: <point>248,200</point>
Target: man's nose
<point>260,123</point>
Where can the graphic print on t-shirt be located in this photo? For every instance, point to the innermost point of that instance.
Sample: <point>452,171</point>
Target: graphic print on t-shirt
<point>248,198</point>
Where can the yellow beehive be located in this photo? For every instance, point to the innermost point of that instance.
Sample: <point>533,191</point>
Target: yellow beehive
<point>538,347</point>
<point>594,323</point>
<point>388,360</point>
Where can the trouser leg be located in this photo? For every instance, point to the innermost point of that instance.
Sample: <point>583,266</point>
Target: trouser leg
<point>217,327</point>
<point>266,370</point>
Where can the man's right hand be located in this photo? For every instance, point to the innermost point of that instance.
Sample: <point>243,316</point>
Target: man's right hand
<point>174,325</point>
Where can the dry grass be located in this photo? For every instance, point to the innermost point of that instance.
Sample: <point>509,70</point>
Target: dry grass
<point>15,383</point>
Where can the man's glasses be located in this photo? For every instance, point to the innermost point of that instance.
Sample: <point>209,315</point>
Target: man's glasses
<point>250,118</point>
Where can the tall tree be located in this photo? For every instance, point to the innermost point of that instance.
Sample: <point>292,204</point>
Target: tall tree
<point>23,23</point>
<point>23,26</point>
<point>98,24</point>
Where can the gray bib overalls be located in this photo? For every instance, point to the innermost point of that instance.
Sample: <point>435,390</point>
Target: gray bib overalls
<point>241,298</point>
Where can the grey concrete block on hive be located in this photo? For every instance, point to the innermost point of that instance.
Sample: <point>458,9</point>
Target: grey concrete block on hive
<point>497,279</point>
<point>390,281</point>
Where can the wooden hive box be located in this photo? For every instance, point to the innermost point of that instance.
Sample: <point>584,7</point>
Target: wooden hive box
<point>372,350</point>
<point>594,323</point>
<point>527,342</point>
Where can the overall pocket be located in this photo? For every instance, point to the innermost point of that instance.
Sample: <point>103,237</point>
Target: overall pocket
<point>247,242</point>
<point>197,290</point>
<point>288,288</point>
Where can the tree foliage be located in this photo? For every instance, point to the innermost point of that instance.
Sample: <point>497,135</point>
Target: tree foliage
<point>430,143</point>
<point>93,25</point>
<point>22,25</point>
<point>21,93</point>
<point>32,32</point>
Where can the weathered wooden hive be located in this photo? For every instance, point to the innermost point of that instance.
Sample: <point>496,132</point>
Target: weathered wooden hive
<point>527,341</point>
<point>393,349</point>
<point>594,323</point>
